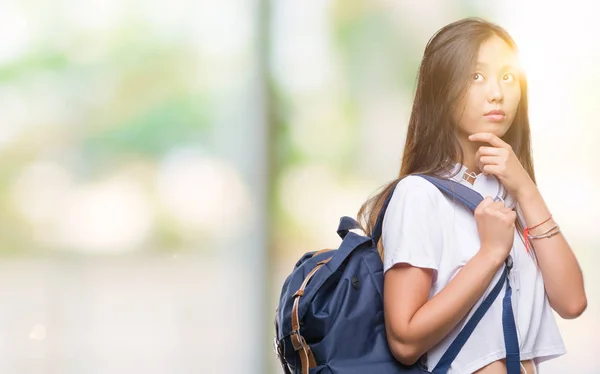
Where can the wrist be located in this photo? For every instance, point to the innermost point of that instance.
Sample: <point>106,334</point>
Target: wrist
<point>490,259</point>
<point>527,192</point>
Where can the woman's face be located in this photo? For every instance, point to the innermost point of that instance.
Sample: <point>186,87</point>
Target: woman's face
<point>492,99</point>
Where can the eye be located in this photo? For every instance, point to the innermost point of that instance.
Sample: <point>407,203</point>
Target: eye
<point>508,77</point>
<point>477,77</point>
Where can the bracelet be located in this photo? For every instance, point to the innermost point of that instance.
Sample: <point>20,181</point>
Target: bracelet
<point>539,224</point>
<point>548,234</point>
<point>544,233</point>
<point>526,235</point>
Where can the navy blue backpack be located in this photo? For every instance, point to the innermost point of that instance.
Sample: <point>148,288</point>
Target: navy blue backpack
<point>330,313</point>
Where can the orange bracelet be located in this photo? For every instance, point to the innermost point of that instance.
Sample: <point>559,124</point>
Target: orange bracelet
<point>539,224</point>
<point>526,232</point>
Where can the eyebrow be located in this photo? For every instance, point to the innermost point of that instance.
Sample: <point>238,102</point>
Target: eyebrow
<point>506,66</point>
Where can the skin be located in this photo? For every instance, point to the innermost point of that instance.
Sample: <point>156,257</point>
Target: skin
<point>415,324</point>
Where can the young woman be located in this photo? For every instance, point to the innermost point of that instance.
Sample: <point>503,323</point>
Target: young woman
<point>470,123</point>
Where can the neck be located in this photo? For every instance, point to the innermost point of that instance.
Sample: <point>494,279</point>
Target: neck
<point>469,149</point>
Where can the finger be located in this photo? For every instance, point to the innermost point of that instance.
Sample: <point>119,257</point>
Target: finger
<point>485,203</point>
<point>489,151</point>
<point>497,214</point>
<point>495,206</point>
<point>511,216</point>
<point>488,137</point>
<point>489,160</point>
<point>493,169</point>
<point>483,159</point>
<point>488,201</point>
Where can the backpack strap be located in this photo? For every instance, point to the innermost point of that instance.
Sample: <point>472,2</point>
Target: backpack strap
<point>509,328</point>
<point>298,342</point>
<point>453,189</point>
<point>470,198</point>
<point>448,357</point>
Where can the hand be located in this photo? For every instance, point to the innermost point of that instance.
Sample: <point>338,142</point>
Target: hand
<point>496,228</point>
<point>500,160</point>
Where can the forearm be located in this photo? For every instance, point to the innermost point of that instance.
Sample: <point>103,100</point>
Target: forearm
<point>438,316</point>
<point>562,275</point>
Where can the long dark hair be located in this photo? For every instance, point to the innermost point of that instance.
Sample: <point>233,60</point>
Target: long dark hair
<point>432,146</point>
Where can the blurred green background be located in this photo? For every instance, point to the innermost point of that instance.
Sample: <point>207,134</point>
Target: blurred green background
<point>164,164</point>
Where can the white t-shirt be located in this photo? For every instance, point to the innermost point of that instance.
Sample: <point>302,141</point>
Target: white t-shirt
<point>425,228</point>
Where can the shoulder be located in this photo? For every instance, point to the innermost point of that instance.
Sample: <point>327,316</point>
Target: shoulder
<point>415,188</point>
<point>416,197</point>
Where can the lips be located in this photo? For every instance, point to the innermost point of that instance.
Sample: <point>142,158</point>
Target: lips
<point>496,112</point>
<point>495,116</point>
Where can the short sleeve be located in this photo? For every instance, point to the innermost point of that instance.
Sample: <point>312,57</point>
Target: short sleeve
<point>412,231</point>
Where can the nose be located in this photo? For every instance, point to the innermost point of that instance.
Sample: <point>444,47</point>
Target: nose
<point>495,92</point>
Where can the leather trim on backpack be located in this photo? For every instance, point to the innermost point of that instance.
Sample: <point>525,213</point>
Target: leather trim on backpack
<point>323,251</point>
<point>306,356</point>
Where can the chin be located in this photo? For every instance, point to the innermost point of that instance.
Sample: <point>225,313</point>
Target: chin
<point>498,129</point>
